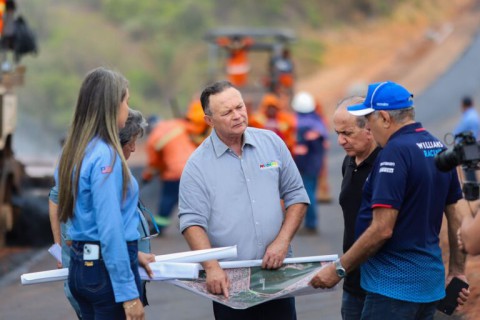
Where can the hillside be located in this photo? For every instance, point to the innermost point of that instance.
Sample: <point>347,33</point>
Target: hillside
<point>409,47</point>
<point>158,45</point>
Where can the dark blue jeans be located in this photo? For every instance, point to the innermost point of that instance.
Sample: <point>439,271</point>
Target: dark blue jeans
<point>66,264</point>
<point>352,306</point>
<point>378,307</point>
<point>91,285</point>
<point>281,309</point>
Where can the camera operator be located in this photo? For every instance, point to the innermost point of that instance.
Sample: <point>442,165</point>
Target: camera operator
<point>469,121</point>
<point>468,235</point>
<point>465,153</point>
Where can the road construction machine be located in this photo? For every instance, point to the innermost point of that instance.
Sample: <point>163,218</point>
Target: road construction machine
<point>230,52</point>
<point>10,169</point>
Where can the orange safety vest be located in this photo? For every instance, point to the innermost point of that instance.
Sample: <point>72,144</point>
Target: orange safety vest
<point>168,148</point>
<point>284,124</point>
<point>2,12</point>
<point>237,63</point>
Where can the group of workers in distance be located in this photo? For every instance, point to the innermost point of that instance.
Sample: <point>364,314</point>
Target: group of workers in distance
<point>280,69</point>
<point>280,81</point>
<point>299,123</point>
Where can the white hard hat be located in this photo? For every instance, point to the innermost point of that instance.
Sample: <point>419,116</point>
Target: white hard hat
<point>303,102</point>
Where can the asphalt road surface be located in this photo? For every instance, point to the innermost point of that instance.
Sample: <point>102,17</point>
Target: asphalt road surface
<point>437,108</point>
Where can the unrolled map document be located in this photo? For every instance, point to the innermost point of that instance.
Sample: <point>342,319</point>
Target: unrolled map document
<point>251,285</point>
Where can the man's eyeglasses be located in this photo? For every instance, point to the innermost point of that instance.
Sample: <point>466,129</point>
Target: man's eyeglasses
<point>146,230</point>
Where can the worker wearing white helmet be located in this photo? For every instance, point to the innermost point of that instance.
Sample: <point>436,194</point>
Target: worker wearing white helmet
<point>309,151</point>
<point>303,102</point>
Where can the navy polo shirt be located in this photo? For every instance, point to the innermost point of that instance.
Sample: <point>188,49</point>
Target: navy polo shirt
<point>409,265</point>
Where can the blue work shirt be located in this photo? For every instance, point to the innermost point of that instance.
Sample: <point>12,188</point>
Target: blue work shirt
<point>102,214</point>
<point>310,163</point>
<point>468,122</point>
<point>143,227</point>
<point>237,199</point>
<point>404,177</point>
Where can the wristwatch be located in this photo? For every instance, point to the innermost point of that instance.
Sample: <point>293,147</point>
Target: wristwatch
<point>339,269</point>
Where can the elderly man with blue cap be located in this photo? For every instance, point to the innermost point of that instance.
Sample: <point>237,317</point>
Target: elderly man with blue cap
<point>399,220</point>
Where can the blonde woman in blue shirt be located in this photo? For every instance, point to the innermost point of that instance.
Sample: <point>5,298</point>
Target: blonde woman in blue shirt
<point>99,196</point>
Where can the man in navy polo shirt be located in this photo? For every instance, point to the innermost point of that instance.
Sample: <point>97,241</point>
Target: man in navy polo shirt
<point>400,217</point>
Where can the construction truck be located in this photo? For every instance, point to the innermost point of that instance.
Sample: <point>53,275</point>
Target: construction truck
<point>24,181</point>
<point>10,169</point>
<point>229,57</point>
<point>17,40</point>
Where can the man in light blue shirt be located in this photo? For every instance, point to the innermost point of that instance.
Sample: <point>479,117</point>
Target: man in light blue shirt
<point>470,121</point>
<point>230,194</point>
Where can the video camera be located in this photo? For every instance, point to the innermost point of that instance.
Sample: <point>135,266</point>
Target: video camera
<point>465,152</point>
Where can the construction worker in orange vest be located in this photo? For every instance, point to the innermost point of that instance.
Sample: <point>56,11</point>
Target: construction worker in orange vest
<point>2,12</point>
<point>238,65</point>
<point>273,115</point>
<point>282,74</point>
<point>196,125</point>
<point>168,148</point>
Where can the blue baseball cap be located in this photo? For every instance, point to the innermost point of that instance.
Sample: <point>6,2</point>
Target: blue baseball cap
<point>386,95</point>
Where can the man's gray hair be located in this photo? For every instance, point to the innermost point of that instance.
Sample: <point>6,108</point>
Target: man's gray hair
<point>361,122</point>
<point>135,126</point>
<point>350,101</point>
<point>402,115</point>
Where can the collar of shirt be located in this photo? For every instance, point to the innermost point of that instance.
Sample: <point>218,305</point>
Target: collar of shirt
<point>220,148</point>
<point>369,160</point>
<point>409,128</point>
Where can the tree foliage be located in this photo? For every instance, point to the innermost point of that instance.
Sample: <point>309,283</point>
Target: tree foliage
<point>158,45</point>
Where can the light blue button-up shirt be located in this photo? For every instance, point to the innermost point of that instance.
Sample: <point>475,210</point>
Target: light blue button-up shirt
<point>469,121</point>
<point>237,199</point>
<point>101,214</point>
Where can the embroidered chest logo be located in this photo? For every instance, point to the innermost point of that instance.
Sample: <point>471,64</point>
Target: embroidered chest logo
<point>269,165</point>
<point>387,166</point>
<point>106,169</point>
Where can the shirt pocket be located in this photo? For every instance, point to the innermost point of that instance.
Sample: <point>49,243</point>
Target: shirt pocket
<point>268,174</point>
